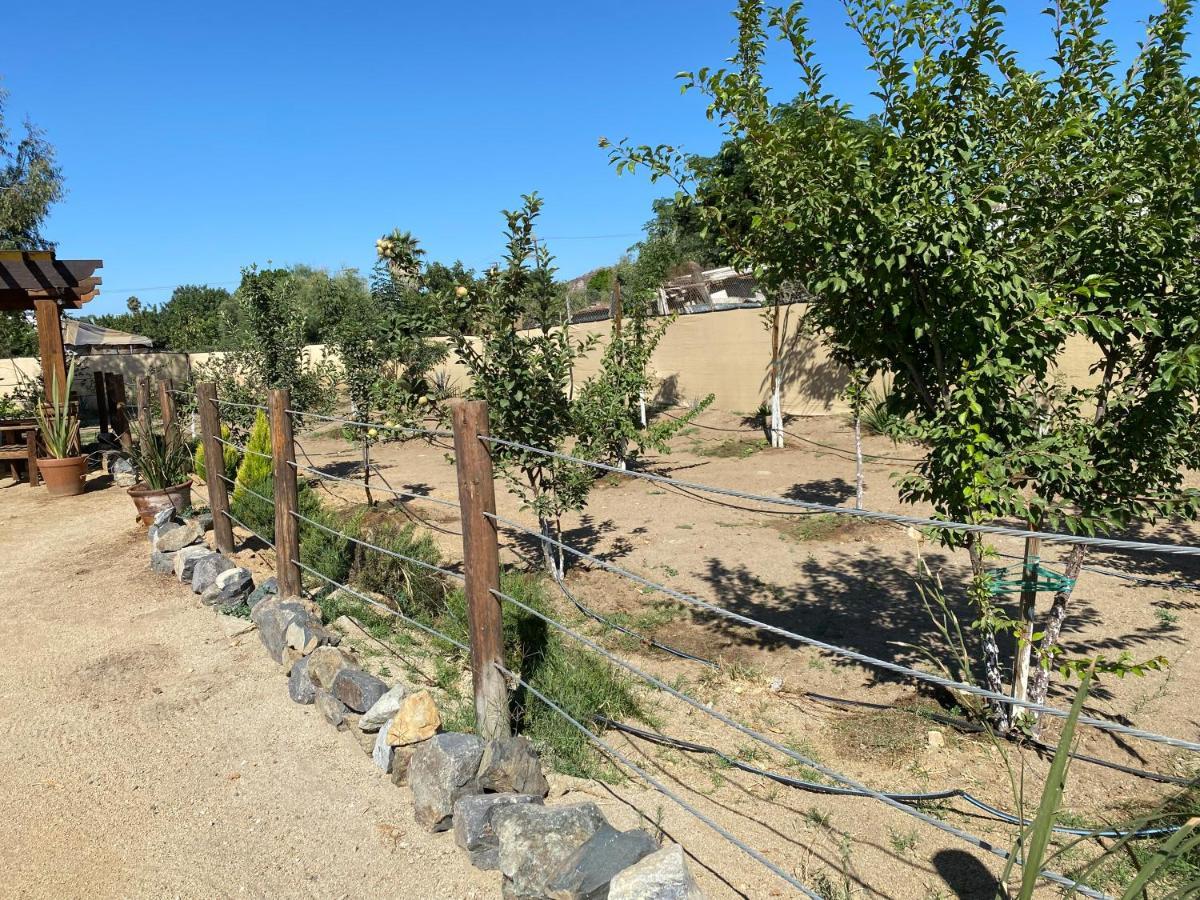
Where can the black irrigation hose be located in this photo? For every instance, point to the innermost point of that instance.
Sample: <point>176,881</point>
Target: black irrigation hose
<point>917,797</point>
<point>973,728</point>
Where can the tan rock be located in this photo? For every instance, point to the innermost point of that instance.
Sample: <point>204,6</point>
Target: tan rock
<point>418,720</point>
<point>324,663</point>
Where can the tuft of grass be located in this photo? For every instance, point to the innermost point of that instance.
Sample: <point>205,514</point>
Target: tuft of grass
<point>819,527</point>
<point>732,448</point>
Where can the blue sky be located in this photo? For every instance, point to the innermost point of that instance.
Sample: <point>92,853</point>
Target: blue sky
<point>197,138</point>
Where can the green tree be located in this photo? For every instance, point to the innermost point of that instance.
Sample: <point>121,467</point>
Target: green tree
<point>30,183</point>
<point>941,245</point>
<point>18,337</point>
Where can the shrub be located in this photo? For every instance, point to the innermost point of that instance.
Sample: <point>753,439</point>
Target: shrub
<point>255,476</point>
<point>230,454</point>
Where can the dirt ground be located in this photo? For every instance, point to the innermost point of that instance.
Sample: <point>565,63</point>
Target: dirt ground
<point>143,753</point>
<point>162,758</point>
<point>847,584</point>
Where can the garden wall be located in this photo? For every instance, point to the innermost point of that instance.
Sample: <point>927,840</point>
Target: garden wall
<point>726,353</point>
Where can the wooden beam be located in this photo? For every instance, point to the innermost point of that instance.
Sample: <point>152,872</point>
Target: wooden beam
<point>115,390</point>
<point>50,348</point>
<point>214,464</point>
<point>102,402</point>
<point>287,502</point>
<point>143,409</point>
<point>481,565</point>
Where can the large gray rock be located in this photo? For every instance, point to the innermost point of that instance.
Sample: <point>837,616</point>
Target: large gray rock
<point>162,563</point>
<point>159,529</point>
<point>185,561</point>
<point>662,875</point>
<point>511,765</point>
<point>231,588</point>
<point>273,616</point>
<point>206,570</point>
<point>268,588</point>
<point>473,826</point>
<point>122,472</point>
<point>401,760</point>
<point>168,538</point>
<point>163,516</point>
<point>382,753</point>
<point>324,663</point>
<point>442,770</point>
<point>300,686</point>
<point>330,707</point>
<point>306,634</point>
<point>203,520</point>
<point>383,709</point>
<point>358,690</point>
<point>585,875</point>
<point>536,840</point>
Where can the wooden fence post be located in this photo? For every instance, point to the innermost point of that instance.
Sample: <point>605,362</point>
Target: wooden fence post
<point>143,408</point>
<point>114,390</point>
<point>214,465</point>
<point>287,528</point>
<point>102,402</point>
<point>166,403</point>
<point>481,563</point>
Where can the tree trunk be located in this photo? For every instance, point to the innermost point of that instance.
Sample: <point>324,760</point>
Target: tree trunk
<point>1026,615</point>
<point>993,676</point>
<point>858,460</point>
<point>642,407</point>
<point>776,411</point>
<point>366,464</point>
<point>552,554</point>
<point>1039,686</point>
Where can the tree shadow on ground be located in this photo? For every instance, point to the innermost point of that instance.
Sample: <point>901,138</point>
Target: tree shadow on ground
<point>586,537</point>
<point>965,875</point>
<point>829,491</point>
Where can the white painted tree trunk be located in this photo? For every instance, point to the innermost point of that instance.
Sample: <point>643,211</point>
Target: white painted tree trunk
<point>642,408</point>
<point>858,462</point>
<point>776,413</point>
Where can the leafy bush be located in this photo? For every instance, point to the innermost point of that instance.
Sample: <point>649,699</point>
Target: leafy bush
<point>255,476</point>
<point>418,591</point>
<point>230,455</point>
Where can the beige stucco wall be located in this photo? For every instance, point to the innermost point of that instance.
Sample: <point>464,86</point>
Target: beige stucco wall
<point>725,353</point>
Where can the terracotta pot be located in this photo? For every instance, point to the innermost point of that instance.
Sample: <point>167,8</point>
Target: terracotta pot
<point>150,501</point>
<point>63,477</point>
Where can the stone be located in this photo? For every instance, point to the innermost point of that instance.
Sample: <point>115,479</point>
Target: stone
<point>536,840</point>
<point>122,472</point>
<point>324,663</point>
<point>206,570</point>
<point>306,635</point>
<point>273,616</point>
<point>662,875</point>
<point>231,588</point>
<point>268,588</point>
<point>401,759</point>
<point>511,765</point>
<point>330,707</point>
<point>300,686</point>
<point>417,720</point>
<point>203,520</point>
<point>169,539</point>
<point>162,563</point>
<point>357,689</point>
<point>364,739</point>
<point>585,874</point>
<point>156,530</point>
<point>473,827</point>
<point>442,770</point>
<point>163,516</point>
<point>382,753</point>
<point>346,625</point>
<point>185,561</point>
<point>384,709</point>
<point>935,740</point>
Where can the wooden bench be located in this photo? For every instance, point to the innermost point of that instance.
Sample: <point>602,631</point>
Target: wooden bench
<point>19,444</point>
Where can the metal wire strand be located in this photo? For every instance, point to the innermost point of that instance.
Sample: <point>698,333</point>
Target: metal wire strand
<point>219,402</point>
<point>611,751</point>
<point>325,476</point>
<point>270,501</point>
<point>392,553</point>
<point>240,448</point>
<point>788,751</point>
<point>375,603</point>
<point>376,425</point>
<point>876,515</point>
<point>238,521</point>
<point>928,678</point>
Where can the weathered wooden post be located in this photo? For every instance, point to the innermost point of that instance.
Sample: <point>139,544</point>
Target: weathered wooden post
<point>166,403</point>
<point>143,409</point>
<point>214,465</point>
<point>114,389</point>
<point>287,503</point>
<point>102,402</point>
<point>481,563</point>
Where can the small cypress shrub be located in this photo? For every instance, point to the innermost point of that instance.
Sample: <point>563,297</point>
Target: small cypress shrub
<point>255,475</point>
<point>230,454</point>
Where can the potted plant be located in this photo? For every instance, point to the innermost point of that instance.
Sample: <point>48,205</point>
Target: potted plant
<point>163,464</point>
<point>65,468</point>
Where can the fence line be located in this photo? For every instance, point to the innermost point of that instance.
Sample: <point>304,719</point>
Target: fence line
<point>469,428</point>
<point>897,518</point>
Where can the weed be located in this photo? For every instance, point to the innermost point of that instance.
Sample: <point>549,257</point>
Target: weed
<point>1166,618</point>
<point>902,841</point>
<point>818,817</point>
<point>733,448</point>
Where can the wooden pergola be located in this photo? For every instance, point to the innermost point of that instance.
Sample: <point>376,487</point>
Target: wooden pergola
<point>37,280</point>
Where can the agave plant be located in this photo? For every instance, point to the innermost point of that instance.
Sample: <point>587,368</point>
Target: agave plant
<point>59,427</point>
<point>161,461</point>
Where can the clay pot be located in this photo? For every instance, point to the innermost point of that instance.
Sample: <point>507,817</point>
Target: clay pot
<point>63,477</point>
<point>150,501</point>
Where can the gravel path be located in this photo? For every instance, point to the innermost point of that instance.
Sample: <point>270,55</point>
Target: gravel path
<point>144,753</point>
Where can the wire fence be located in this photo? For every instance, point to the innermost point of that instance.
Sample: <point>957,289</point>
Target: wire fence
<point>906,803</point>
